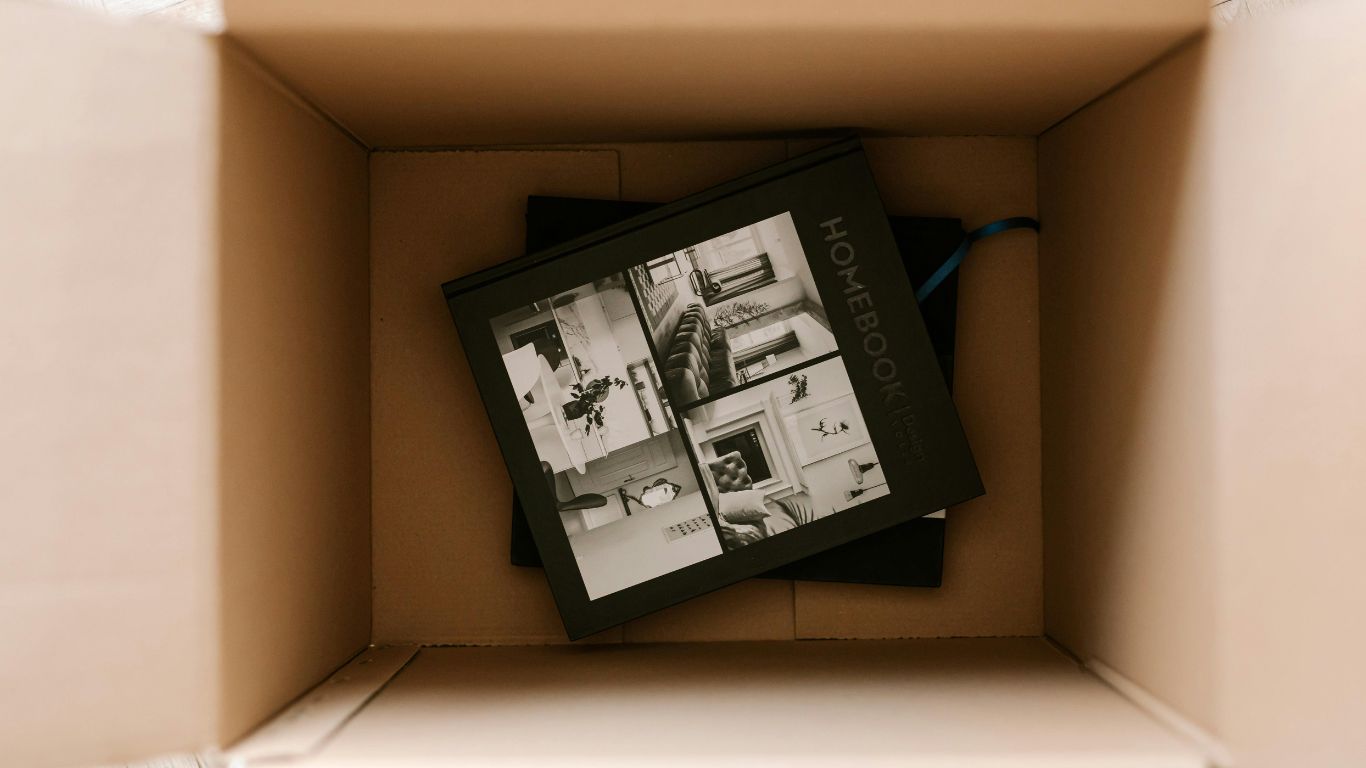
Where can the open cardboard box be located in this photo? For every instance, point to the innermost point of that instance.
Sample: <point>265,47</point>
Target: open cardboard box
<point>243,449</point>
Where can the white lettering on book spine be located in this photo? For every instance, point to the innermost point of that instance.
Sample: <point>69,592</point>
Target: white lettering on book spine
<point>862,310</point>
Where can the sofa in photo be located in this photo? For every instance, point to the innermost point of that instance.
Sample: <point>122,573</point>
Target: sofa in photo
<point>699,360</point>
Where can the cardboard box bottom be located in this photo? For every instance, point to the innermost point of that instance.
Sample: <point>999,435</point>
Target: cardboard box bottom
<point>986,701</point>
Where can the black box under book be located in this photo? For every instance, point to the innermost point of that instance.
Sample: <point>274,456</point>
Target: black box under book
<point>910,554</point>
<point>713,389</point>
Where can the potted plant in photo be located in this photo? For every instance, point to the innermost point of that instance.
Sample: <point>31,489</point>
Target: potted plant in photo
<point>738,313</point>
<point>586,400</point>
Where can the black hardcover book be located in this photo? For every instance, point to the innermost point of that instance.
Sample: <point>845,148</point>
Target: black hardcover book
<point>713,389</point>
<point>910,554</point>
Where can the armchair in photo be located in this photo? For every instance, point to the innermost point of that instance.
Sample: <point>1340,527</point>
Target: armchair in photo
<point>744,515</point>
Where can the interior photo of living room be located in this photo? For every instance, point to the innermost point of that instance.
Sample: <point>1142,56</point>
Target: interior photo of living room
<point>599,418</point>
<point>732,309</point>
<point>581,368</point>
<point>785,453</point>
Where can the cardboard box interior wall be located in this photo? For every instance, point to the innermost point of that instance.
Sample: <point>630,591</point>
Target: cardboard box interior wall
<point>243,442</point>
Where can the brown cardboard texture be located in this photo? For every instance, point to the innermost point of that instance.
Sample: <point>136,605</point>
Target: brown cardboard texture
<point>241,441</point>
<point>426,72</point>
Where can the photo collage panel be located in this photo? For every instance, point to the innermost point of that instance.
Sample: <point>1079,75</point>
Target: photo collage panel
<point>692,405</point>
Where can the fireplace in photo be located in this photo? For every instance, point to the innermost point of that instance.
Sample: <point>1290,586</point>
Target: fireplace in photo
<point>773,461</point>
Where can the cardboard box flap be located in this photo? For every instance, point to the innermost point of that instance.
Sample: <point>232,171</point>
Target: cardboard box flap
<point>1204,431</point>
<point>959,702</point>
<point>184,283</point>
<point>436,74</point>
<point>107,205</point>
<point>253,16</point>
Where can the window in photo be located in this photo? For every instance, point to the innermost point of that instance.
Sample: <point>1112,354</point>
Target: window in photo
<point>751,450</point>
<point>545,338</point>
<point>669,268</point>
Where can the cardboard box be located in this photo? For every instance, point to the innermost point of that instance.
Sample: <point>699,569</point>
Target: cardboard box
<point>242,446</point>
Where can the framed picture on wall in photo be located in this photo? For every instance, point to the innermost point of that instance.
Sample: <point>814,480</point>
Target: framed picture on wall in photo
<point>828,428</point>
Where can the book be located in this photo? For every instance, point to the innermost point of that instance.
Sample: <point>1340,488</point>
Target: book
<point>908,554</point>
<point>713,389</point>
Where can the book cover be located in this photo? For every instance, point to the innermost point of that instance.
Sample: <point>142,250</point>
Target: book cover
<point>668,433</point>
<point>908,554</point>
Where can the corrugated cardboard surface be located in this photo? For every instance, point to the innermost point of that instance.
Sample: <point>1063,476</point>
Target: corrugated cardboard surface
<point>441,493</point>
<point>1205,431</point>
<point>433,73</point>
<point>108,506</point>
<point>294,421</point>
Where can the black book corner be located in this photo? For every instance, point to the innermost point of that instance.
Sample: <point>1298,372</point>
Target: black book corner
<point>910,554</point>
<point>714,389</point>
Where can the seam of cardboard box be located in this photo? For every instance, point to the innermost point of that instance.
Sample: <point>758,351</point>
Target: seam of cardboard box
<point>1137,74</point>
<point>1168,717</point>
<point>307,724</point>
<point>1217,755</point>
<point>231,47</point>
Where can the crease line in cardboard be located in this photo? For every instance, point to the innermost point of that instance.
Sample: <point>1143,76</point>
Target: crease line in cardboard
<point>1161,58</point>
<point>230,46</point>
<point>307,724</point>
<point>1161,712</point>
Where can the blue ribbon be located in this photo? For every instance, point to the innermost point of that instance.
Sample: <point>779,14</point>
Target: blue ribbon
<point>952,263</point>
